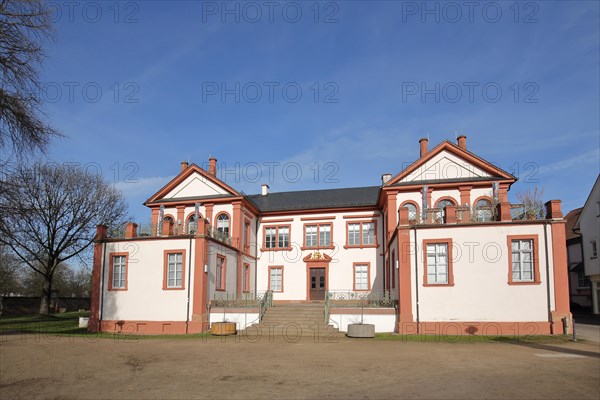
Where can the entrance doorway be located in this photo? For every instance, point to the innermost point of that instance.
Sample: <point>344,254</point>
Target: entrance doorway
<point>317,283</point>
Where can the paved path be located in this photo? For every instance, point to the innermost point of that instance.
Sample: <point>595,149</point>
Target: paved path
<point>79,368</point>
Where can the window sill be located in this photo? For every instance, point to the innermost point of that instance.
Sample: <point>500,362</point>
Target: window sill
<point>173,288</point>
<point>317,248</point>
<point>438,284</point>
<point>117,289</point>
<point>219,290</point>
<point>276,249</point>
<point>524,283</point>
<point>367,246</point>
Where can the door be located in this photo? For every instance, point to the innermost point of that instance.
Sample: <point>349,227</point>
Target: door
<point>317,283</point>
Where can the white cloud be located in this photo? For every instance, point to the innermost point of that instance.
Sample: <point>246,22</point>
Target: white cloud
<point>577,161</point>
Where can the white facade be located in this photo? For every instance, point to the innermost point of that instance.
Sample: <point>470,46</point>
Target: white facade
<point>588,223</point>
<point>356,245</point>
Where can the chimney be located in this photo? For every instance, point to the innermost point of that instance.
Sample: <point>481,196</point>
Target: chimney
<point>184,165</point>
<point>264,189</point>
<point>462,142</point>
<point>385,178</point>
<point>212,166</point>
<point>424,142</point>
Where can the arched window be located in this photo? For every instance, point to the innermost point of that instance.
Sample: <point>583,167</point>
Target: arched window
<point>441,206</point>
<point>223,224</point>
<point>413,216</point>
<point>483,209</point>
<point>192,224</point>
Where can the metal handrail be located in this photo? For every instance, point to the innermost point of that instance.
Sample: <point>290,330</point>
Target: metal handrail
<point>266,302</point>
<point>326,311</point>
<point>351,298</point>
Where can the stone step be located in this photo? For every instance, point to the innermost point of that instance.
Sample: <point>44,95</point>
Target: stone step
<point>291,333</point>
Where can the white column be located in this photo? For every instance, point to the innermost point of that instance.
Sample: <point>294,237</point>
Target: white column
<point>595,297</point>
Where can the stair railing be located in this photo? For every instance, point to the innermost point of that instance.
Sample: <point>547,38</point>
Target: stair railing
<point>326,311</point>
<point>266,302</point>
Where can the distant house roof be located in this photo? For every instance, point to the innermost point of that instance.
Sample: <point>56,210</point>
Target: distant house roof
<point>571,218</point>
<point>313,199</point>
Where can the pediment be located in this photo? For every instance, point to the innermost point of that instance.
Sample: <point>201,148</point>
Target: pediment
<point>193,182</point>
<point>446,165</point>
<point>448,162</point>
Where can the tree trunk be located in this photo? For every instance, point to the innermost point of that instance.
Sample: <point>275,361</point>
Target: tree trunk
<point>46,294</point>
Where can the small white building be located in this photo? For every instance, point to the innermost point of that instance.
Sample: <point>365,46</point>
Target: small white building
<point>435,247</point>
<point>587,225</point>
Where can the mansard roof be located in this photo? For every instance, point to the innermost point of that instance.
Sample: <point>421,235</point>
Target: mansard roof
<point>315,199</point>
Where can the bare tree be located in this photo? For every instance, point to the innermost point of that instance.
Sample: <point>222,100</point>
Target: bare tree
<point>10,281</point>
<point>50,214</point>
<point>533,205</point>
<point>67,282</point>
<point>24,27</point>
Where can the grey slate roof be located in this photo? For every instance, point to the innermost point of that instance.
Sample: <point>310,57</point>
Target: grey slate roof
<point>311,199</point>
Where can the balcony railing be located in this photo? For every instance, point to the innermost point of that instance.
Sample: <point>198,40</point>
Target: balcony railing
<point>164,230</point>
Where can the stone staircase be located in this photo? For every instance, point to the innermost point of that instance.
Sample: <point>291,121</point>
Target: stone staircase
<point>293,321</point>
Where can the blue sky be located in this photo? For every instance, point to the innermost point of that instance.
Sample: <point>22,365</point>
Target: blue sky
<point>345,88</point>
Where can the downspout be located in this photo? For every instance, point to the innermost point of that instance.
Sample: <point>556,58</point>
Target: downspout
<point>547,272</point>
<point>416,277</point>
<point>385,248</point>
<point>187,313</point>
<point>256,256</point>
<point>102,285</point>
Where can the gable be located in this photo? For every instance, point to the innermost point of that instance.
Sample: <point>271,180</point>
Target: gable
<point>193,182</point>
<point>446,165</point>
<point>449,162</point>
<point>196,185</point>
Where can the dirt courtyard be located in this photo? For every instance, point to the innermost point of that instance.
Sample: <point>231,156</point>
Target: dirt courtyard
<point>76,367</point>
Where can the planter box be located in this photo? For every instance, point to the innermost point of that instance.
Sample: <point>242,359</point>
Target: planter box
<point>223,328</point>
<point>361,330</point>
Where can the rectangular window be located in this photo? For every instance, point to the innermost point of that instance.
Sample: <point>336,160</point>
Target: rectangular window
<point>523,263</point>
<point>361,276</point>
<point>362,234</point>
<point>270,235</point>
<point>318,235</point>
<point>368,234</point>
<point>437,263</point>
<point>246,236</point>
<point>220,273</point>
<point>582,281</point>
<point>276,279</point>
<point>283,233</point>
<point>522,260</point>
<point>393,261</point>
<point>246,287</point>
<point>354,234</point>
<point>277,237</point>
<point>119,272</point>
<point>310,239</point>
<point>174,270</point>
<point>594,249</point>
